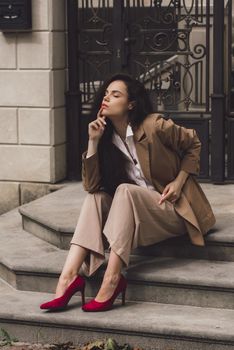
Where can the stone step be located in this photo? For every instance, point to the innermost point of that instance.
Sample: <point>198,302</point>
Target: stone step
<point>141,324</point>
<point>24,257</point>
<point>53,218</point>
<point>28,263</point>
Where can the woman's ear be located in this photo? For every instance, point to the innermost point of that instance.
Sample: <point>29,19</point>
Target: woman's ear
<point>131,105</point>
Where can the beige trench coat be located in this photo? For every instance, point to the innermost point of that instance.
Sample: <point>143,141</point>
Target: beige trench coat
<point>159,143</point>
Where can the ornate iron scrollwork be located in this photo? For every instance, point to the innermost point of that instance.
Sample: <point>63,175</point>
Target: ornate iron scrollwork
<point>160,47</point>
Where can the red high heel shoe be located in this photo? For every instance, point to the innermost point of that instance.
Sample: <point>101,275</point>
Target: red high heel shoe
<point>94,305</point>
<point>60,303</point>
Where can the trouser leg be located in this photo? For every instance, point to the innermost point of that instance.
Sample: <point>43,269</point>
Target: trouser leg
<point>136,219</point>
<point>130,219</point>
<point>89,230</point>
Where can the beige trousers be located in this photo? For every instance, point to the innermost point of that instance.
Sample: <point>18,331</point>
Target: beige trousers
<point>129,219</point>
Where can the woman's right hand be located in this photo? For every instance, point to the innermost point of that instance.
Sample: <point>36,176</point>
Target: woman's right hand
<point>96,128</point>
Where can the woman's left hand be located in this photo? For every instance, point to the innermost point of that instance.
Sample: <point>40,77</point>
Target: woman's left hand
<point>171,192</point>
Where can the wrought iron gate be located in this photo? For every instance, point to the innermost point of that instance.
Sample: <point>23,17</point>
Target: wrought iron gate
<point>168,45</point>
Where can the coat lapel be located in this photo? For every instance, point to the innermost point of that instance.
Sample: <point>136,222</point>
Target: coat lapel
<point>142,150</point>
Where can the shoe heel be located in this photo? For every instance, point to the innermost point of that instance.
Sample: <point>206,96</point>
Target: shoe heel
<point>83,296</point>
<point>123,296</point>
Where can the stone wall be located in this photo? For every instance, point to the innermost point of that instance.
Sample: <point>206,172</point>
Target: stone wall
<point>32,106</point>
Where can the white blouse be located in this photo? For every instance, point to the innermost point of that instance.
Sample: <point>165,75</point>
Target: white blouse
<point>133,166</point>
<point>134,170</point>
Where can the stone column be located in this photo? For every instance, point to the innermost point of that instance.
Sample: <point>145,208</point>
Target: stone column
<point>32,113</point>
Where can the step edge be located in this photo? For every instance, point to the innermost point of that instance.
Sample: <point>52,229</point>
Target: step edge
<point>50,226</point>
<point>64,230</point>
<point>177,334</point>
<point>133,281</point>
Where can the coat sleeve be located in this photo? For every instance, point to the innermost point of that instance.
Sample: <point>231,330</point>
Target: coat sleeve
<point>183,141</point>
<point>91,178</point>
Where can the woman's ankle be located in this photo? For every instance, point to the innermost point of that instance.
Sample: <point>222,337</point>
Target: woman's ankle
<point>63,283</point>
<point>68,278</point>
<point>112,278</point>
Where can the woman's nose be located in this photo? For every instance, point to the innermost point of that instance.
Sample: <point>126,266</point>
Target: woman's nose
<point>106,97</point>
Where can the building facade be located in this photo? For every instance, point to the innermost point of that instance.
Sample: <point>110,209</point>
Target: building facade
<point>48,76</point>
<point>33,83</point>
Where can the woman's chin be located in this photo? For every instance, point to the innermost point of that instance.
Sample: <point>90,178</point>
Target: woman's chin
<point>111,116</point>
<point>107,115</point>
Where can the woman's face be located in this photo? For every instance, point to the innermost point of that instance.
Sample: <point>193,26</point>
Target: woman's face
<point>115,101</point>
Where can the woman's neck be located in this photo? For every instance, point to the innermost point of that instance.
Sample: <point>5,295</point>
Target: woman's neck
<point>120,127</point>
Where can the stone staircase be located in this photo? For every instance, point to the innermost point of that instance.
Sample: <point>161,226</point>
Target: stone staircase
<point>179,296</point>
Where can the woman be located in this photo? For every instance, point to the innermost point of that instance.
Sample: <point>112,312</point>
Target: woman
<point>139,171</point>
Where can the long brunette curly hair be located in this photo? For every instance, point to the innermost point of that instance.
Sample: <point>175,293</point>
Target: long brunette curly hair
<point>112,161</point>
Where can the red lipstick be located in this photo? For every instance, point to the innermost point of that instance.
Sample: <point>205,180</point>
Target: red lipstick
<point>104,105</point>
